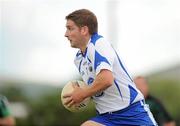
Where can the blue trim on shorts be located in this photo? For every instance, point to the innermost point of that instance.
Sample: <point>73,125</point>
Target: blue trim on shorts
<point>134,115</point>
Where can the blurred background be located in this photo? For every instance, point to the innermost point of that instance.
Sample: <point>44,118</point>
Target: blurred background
<point>36,60</point>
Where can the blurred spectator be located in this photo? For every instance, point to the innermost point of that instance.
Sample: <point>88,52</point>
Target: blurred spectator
<point>6,119</point>
<point>158,110</point>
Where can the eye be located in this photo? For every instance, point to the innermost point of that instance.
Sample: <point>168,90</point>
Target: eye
<point>70,28</point>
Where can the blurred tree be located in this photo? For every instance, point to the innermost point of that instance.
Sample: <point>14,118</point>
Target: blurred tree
<point>169,93</point>
<point>13,93</point>
<point>48,111</point>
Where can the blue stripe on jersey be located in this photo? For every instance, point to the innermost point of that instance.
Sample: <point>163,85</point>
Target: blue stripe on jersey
<point>133,93</point>
<point>94,38</point>
<point>98,59</point>
<point>118,88</point>
<point>80,66</point>
<point>84,54</point>
<point>123,66</point>
<point>88,59</point>
<point>90,80</point>
<point>78,53</point>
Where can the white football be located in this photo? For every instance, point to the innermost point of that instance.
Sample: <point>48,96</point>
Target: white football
<point>68,88</point>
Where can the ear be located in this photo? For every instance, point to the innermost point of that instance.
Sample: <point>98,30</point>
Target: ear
<point>84,30</point>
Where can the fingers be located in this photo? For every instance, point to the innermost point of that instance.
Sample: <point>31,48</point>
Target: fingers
<point>69,102</point>
<point>69,99</point>
<point>67,95</point>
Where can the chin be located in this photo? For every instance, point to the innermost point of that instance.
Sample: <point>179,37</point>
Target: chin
<point>73,46</point>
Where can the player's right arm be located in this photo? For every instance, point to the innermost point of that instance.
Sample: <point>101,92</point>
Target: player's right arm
<point>102,81</point>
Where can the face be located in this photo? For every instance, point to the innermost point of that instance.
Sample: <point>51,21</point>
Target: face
<point>74,34</point>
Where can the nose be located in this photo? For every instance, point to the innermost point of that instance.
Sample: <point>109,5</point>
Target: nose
<point>66,34</point>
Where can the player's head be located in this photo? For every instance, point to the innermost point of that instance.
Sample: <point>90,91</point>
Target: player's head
<point>84,17</point>
<point>142,85</point>
<point>81,24</point>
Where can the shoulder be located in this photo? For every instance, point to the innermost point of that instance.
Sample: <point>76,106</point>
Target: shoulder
<point>94,38</point>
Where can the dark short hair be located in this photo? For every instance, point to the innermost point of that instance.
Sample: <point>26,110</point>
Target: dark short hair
<point>84,17</point>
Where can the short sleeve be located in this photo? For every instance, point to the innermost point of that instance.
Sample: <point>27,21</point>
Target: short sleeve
<point>103,56</point>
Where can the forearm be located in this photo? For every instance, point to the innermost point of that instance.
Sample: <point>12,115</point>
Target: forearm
<point>103,80</point>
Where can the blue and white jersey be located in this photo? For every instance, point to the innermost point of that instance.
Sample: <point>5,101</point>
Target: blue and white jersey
<point>100,55</point>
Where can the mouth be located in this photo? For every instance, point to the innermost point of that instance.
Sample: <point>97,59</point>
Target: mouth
<point>70,40</point>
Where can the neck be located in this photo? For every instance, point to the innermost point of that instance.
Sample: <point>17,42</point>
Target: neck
<point>85,42</point>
